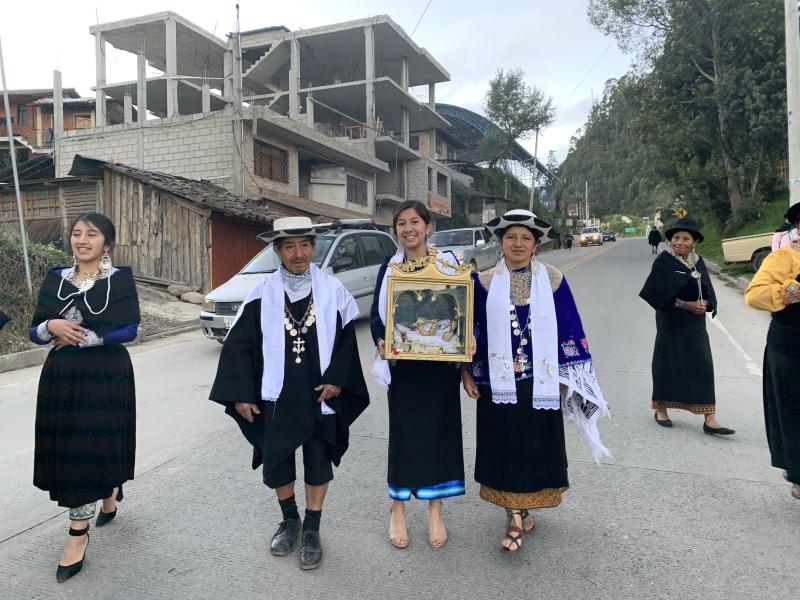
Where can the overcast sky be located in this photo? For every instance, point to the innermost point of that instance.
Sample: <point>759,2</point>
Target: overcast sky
<point>551,40</point>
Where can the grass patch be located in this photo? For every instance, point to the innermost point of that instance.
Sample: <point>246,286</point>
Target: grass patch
<point>711,248</point>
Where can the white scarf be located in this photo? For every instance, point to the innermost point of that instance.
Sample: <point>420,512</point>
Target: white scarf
<point>329,296</point>
<point>543,330</point>
<point>380,366</point>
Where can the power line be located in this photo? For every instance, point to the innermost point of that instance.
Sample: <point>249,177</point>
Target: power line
<point>420,18</point>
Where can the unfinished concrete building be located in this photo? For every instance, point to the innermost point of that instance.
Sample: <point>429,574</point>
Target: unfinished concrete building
<point>317,121</point>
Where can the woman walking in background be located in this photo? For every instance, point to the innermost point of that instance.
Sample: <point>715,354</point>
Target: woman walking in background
<point>679,289</point>
<point>776,288</point>
<point>426,458</point>
<point>86,408</point>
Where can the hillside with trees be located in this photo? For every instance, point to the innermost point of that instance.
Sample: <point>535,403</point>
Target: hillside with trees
<point>701,119</point>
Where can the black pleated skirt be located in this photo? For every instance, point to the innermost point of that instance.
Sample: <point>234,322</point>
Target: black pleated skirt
<point>683,369</point>
<point>519,449</point>
<point>85,424</point>
<point>782,397</point>
<point>425,445</point>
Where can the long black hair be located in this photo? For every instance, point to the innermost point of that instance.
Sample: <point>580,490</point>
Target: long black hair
<point>102,222</point>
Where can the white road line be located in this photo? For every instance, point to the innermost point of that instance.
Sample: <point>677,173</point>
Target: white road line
<point>751,365</point>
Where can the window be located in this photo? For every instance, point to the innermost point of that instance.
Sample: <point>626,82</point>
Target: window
<point>270,162</point>
<point>413,141</point>
<point>41,203</point>
<point>22,114</point>
<point>8,206</point>
<point>357,191</point>
<point>83,121</point>
<point>373,250</point>
<point>347,255</point>
<point>388,245</point>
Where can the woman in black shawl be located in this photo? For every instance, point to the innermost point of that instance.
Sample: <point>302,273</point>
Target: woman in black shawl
<point>679,289</point>
<point>86,407</point>
<point>776,288</point>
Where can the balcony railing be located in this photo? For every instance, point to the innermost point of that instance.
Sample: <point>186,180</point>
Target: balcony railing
<point>42,138</point>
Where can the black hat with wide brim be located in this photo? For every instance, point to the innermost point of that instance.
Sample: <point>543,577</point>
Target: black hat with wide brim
<point>793,214</point>
<point>685,224</point>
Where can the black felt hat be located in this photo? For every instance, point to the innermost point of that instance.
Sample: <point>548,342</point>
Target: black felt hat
<point>685,224</point>
<point>793,214</point>
<point>519,216</point>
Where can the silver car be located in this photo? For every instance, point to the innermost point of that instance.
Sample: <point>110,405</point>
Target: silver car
<point>353,256</point>
<point>469,245</point>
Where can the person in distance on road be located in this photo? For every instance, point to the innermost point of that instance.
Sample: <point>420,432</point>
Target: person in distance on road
<point>531,367</point>
<point>290,376</point>
<point>776,288</point>
<point>654,239</point>
<point>680,290</point>
<point>426,455</point>
<point>86,404</point>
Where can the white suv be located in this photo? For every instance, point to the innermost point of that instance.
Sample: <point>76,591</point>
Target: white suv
<point>591,235</point>
<point>352,252</point>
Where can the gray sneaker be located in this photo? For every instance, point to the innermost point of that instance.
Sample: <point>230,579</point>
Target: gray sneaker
<point>310,550</point>
<point>285,538</point>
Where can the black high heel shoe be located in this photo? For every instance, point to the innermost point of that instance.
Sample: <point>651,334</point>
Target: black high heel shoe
<point>104,518</point>
<point>64,572</point>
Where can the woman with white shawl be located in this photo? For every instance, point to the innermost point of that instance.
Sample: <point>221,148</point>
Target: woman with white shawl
<point>426,457</point>
<point>532,365</point>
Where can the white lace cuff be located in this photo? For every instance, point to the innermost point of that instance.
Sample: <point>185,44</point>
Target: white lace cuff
<point>42,333</point>
<point>92,339</point>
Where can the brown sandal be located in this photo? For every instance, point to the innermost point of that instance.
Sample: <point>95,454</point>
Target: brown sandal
<point>514,534</point>
<point>527,515</point>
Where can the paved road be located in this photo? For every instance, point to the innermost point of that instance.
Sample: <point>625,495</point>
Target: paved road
<point>675,514</point>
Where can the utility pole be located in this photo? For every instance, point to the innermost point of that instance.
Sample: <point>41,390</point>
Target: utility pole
<point>587,201</point>
<point>12,147</point>
<point>793,97</point>
<point>535,170</point>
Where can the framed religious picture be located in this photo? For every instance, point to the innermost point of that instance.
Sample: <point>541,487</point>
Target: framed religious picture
<point>429,312</point>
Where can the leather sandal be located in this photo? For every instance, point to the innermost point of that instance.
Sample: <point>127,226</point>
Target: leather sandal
<point>525,514</point>
<point>514,534</point>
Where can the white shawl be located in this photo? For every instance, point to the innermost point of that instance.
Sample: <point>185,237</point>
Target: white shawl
<point>329,296</point>
<point>380,366</point>
<point>543,332</point>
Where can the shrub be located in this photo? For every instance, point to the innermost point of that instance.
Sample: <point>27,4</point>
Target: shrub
<point>14,298</point>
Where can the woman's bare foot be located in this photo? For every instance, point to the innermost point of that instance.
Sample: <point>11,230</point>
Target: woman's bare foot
<point>398,534</point>
<point>796,490</point>
<point>75,546</point>
<point>437,533</point>
<point>110,503</point>
<point>527,521</point>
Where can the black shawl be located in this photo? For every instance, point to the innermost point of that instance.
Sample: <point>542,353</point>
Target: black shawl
<point>4,318</point>
<point>669,277</point>
<point>123,302</point>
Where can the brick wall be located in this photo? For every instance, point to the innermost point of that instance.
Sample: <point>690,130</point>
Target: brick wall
<point>196,146</point>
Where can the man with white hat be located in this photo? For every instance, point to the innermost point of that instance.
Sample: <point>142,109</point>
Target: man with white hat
<point>290,376</point>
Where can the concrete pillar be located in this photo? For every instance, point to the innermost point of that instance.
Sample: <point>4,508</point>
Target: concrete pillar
<point>141,88</point>
<point>227,68</point>
<point>432,132</point>
<point>100,79</point>
<point>369,65</point>
<point>58,119</point>
<point>172,67</point>
<point>310,110</point>
<point>127,104</point>
<point>205,90</point>
<point>406,127</point>
<point>294,79</point>
<point>404,76</point>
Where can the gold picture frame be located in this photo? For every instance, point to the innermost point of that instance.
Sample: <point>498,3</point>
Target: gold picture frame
<point>430,313</point>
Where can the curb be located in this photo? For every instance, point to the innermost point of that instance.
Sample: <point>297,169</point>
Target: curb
<point>739,283</point>
<point>37,356</point>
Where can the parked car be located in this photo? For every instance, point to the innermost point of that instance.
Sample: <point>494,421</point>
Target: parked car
<point>590,235</point>
<point>469,245</point>
<point>609,236</point>
<point>748,248</point>
<point>352,252</point>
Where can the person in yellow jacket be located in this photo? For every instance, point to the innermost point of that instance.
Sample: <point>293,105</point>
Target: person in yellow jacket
<point>776,288</point>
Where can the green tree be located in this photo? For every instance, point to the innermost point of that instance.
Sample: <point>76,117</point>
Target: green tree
<point>517,110</point>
